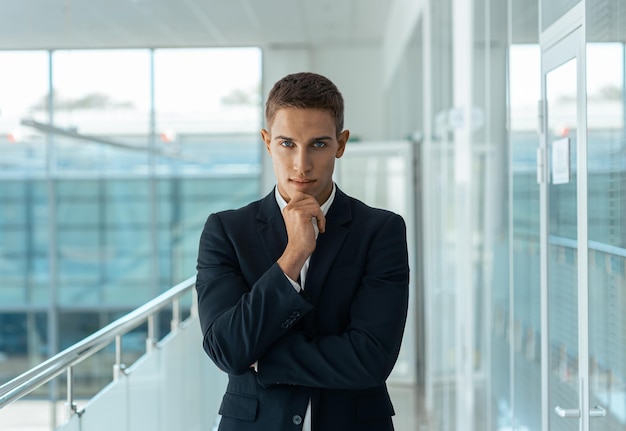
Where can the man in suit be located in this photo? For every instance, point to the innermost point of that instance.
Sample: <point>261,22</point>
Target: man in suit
<point>303,294</point>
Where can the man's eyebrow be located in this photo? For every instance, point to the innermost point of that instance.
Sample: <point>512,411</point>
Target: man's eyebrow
<point>321,138</point>
<point>317,138</point>
<point>283,138</point>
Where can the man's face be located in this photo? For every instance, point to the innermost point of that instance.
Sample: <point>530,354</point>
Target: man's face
<point>303,144</point>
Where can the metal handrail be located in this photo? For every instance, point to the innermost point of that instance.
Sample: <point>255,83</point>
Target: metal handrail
<point>49,128</point>
<point>64,361</point>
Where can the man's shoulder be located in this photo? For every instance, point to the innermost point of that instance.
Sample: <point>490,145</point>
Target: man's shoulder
<point>361,209</point>
<point>248,210</point>
<point>245,213</point>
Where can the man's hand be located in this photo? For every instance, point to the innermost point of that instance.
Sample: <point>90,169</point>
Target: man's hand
<point>300,233</point>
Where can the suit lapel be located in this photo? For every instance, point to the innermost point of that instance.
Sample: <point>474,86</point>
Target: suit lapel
<point>328,245</point>
<point>271,228</point>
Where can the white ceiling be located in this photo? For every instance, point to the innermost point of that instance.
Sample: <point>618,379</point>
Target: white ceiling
<point>44,24</point>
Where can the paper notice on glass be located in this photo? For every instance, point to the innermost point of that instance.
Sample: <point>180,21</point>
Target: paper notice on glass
<point>560,161</point>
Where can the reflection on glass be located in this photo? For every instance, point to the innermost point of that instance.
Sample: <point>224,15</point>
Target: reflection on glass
<point>607,233</point>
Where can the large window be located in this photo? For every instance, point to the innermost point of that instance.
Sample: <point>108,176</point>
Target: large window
<point>110,162</point>
<point>24,82</point>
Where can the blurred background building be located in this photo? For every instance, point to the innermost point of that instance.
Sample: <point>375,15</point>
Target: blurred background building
<point>124,123</point>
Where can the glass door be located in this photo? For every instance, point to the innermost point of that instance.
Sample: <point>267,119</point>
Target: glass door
<point>583,161</point>
<point>564,232</point>
<point>561,150</point>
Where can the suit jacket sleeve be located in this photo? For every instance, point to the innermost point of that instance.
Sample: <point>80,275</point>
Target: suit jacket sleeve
<point>240,320</point>
<point>365,353</point>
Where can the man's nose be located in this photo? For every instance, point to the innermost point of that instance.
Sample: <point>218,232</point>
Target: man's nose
<point>302,161</point>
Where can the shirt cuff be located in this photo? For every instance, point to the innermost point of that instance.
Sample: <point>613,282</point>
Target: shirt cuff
<point>295,284</point>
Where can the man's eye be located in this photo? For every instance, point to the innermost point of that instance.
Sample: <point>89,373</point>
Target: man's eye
<point>287,144</point>
<point>319,144</point>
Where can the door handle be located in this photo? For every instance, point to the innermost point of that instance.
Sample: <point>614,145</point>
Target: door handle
<point>567,413</point>
<point>596,412</point>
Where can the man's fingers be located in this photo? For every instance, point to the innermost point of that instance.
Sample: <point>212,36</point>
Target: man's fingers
<point>321,223</point>
<point>308,208</point>
<point>299,196</point>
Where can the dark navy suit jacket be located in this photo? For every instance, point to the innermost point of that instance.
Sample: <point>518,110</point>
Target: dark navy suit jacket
<point>335,344</point>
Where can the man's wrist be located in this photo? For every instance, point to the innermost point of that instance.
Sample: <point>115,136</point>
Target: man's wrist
<point>294,283</point>
<point>291,266</point>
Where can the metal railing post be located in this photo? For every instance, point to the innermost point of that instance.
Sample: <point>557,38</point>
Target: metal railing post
<point>70,405</point>
<point>175,314</point>
<point>151,340</point>
<point>118,368</point>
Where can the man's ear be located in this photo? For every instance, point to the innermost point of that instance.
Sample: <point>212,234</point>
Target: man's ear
<point>342,140</point>
<point>265,135</point>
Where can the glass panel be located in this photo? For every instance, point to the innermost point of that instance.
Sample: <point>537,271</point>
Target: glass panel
<point>607,233</point>
<point>94,96</point>
<point>24,80</point>
<point>561,93</point>
<point>23,340</point>
<point>552,10</point>
<point>519,403</point>
<point>490,238</point>
<point>24,273</point>
<point>207,90</point>
<point>525,90</point>
<point>439,205</point>
<point>23,242</point>
<point>206,99</point>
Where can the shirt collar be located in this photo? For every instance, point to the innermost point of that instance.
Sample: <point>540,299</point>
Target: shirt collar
<point>325,206</point>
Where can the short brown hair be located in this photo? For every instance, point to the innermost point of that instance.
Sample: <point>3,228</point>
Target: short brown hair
<point>305,90</point>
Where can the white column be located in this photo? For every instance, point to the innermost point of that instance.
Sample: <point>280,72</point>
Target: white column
<point>461,120</point>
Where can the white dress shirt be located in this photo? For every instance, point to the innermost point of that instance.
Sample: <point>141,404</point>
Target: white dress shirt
<point>306,423</point>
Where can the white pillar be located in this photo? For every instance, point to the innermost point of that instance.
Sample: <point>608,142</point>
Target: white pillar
<point>461,120</point>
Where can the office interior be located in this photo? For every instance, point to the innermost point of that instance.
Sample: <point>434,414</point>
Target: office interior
<point>495,127</point>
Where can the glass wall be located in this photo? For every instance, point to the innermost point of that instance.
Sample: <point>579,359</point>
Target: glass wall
<point>606,140</point>
<point>482,232</point>
<point>464,207</point>
<point>438,212</point>
<point>523,329</point>
<point>110,162</point>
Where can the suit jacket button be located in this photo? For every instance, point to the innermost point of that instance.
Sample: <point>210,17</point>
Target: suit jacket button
<point>296,419</point>
<point>284,325</point>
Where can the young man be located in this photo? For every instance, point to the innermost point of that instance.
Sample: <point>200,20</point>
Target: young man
<point>303,294</point>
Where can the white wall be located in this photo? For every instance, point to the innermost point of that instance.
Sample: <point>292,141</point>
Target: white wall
<point>357,71</point>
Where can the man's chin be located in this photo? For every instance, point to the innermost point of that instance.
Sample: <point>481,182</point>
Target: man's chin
<point>306,188</point>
